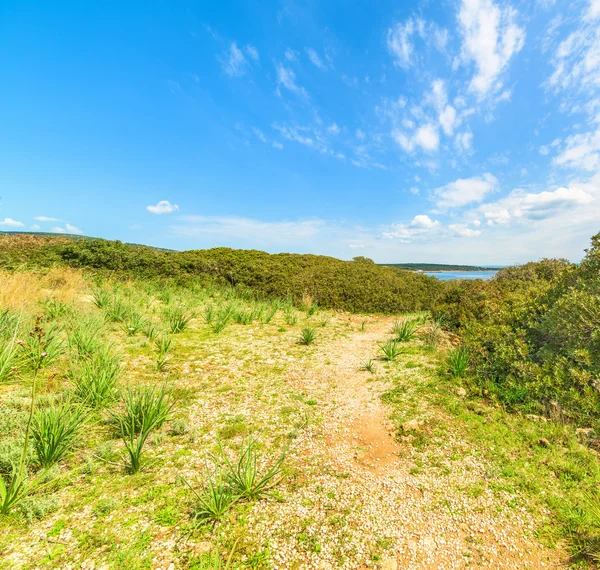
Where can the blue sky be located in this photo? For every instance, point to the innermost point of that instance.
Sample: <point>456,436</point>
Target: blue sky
<point>441,131</point>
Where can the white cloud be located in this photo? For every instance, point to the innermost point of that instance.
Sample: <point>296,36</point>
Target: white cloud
<point>426,137</point>
<point>360,135</point>
<point>464,142</point>
<point>581,151</point>
<point>421,227</point>
<point>277,145</point>
<point>465,191</point>
<point>35,227</point>
<point>399,42</point>
<point>73,229</point>
<point>295,134</point>
<point>46,219</point>
<point>315,59</point>
<point>448,119</point>
<point>58,230</point>
<point>252,52</point>
<point>490,39</point>
<point>423,221</point>
<point>287,78</point>
<point>333,129</point>
<point>10,223</point>
<point>259,135</point>
<point>461,230</point>
<point>233,62</point>
<point>593,10</point>
<point>163,207</point>
<point>524,206</point>
<point>291,55</point>
<point>257,231</point>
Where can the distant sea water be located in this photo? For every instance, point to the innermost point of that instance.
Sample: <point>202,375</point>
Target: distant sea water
<point>446,275</point>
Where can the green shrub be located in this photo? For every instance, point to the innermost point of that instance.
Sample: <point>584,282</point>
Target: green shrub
<point>95,379</point>
<point>457,362</point>
<point>307,336</point>
<point>390,349</point>
<point>54,431</point>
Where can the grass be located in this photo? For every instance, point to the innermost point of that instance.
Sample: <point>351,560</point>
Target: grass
<point>404,330</point>
<point>457,362</point>
<point>307,336</point>
<point>55,430</point>
<point>390,350</point>
<point>368,365</point>
<point>95,379</point>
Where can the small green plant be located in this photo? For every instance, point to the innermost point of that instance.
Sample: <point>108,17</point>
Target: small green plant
<point>149,331</point>
<point>84,336</point>
<point>163,344</point>
<point>432,336</point>
<point>307,336</point>
<point>457,362</point>
<point>363,325</point>
<point>209,313</point>
<point>290,316</point>
<point>56,309</point>
<point>35,344</point>
<point>244,477</point>
<point>117,310</point>
<point>146,409</point>
<point>9,349</point>
<point>177,319</point>
<point>404,330</point>
<point>213,499</point>
<point>134,323</point>
<point>54,431</point>
<point>367,366</point>
<point>221,321</point>
<point>95,379</point>
<point>390,350</point>
<point>312,309</point>
<point>101,298</point>
<point>18,487</point>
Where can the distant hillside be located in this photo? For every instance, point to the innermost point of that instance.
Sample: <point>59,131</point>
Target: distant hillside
<point>438,267</point>
<point>358,286</point>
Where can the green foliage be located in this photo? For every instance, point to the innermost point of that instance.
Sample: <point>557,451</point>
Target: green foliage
<point>245,478</point>
<point>214,499</point>
<point>95,379</point>
<point>307,336</point>
<point>8,346</point>
<point>146,409</point>
<point>54,430</point>
<point>404,330</point>
<point>84,336</point>
<point>533,335</point>
<point>42,348</point>
<point>368,366</point>
<point>457,362</point>
<point>177,318</point>
<point>390,349</point>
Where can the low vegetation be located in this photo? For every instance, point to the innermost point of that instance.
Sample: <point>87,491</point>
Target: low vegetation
<point>212,409</point>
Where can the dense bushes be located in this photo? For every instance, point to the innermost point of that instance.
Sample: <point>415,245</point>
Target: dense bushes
<point>533,335</point>
<point>358,286</point>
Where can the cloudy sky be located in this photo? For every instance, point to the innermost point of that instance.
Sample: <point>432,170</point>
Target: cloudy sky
<point>441,131</point>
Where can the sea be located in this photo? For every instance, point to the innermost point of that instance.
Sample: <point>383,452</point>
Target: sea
<point>446,275</point>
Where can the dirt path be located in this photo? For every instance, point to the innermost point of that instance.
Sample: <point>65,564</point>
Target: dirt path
<point>367,492</point>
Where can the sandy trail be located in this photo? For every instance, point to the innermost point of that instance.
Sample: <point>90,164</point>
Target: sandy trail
<point>423,518</point>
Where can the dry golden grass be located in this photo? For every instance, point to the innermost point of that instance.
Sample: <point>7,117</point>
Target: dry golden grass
<point>24,291</point>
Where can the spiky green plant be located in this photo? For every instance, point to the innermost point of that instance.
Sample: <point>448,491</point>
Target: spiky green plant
<point>214,499</point>
<point>307,336</point>
<point>290,316</point>
<point>95,379</point>
<point>101,298</point>
<point>84,336</point>
<point>178,319</point>
<point>134,323</point>
<point>35,344</point>
<point>163,344</point>
<point>390,349</point>
<point>457,362</point>
<point>404,330</point>
<point>244,476</point>
<point>18,487</point>
<point>209,313</point>
<point>54,430</point>
<point>8,349</point>
<point>56,309</point>
<point>117,310</point>
<point>146,409</point>
<point>367,366</point>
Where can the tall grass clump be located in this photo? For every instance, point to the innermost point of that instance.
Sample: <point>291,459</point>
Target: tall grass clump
<point>48,343</point>
<point>177,318</point>
<point>390,350</point>
<point>56,309</point>
<point>404,330</point>
<point>244,476</point>
<point>146,409</point>
<point>457,362</point>
<point>84,336</point>
<point>214,498</point>
<point>8,347</point>
<point>95,379</point>
<point>54,430</point>
<point>18,487</point>
<point>307,336</point>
